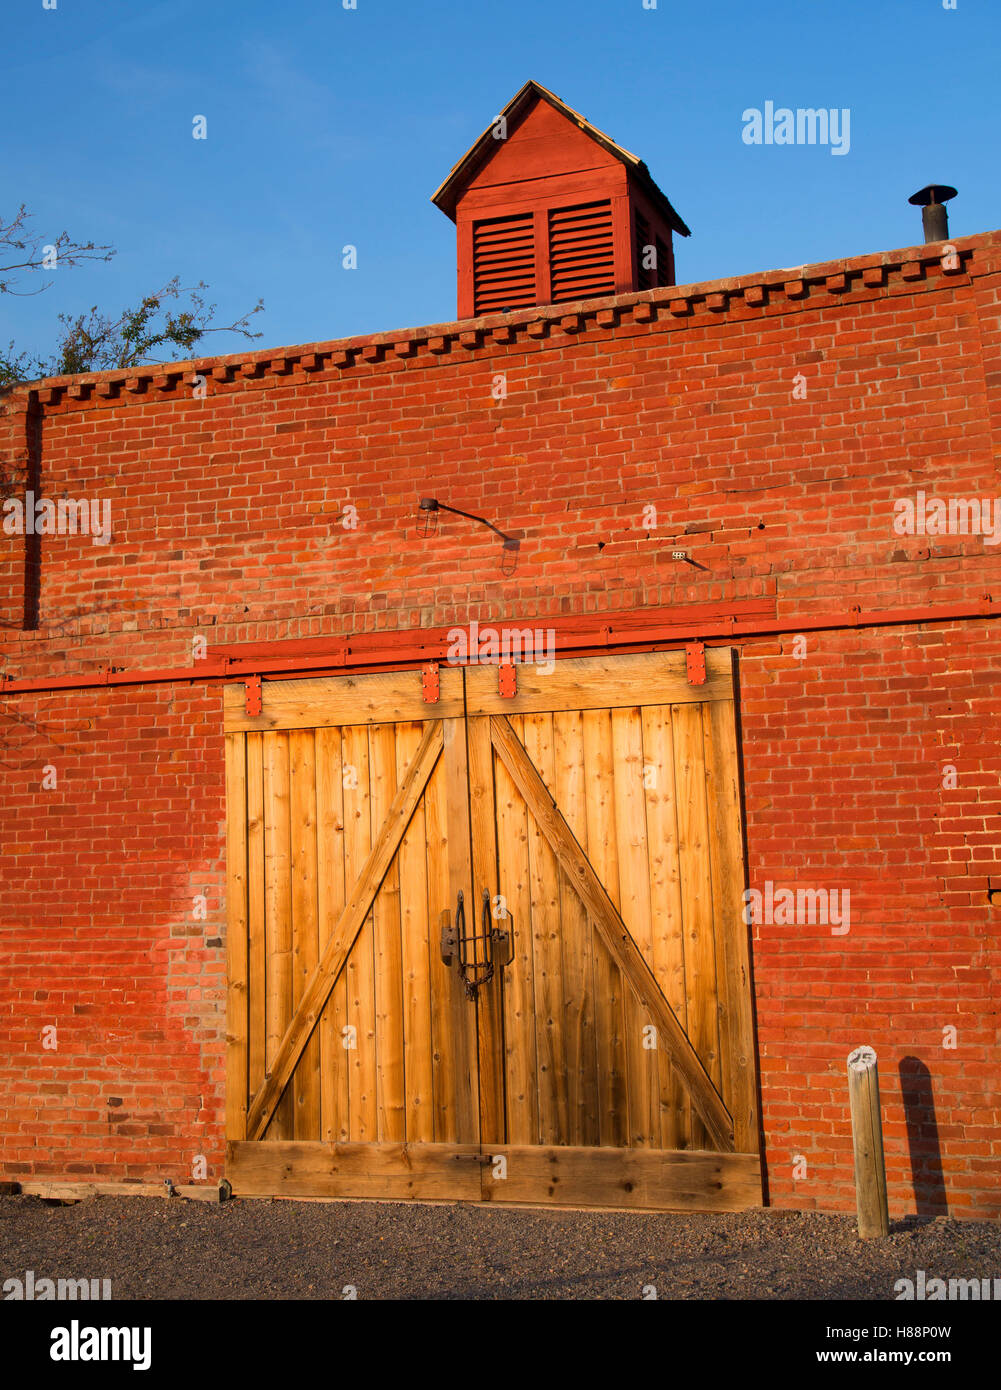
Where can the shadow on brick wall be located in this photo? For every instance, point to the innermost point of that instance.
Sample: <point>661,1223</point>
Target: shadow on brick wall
<point>922,1138</point>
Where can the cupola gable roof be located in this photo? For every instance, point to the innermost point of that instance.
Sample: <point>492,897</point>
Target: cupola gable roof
<point>544,138</point>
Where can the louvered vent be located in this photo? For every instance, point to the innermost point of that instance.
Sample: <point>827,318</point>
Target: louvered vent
<point>581,260</point>
<point>504,263</point>
<point>649,277</point>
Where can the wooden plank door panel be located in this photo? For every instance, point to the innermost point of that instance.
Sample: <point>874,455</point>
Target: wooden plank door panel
<point>619,849</point>
<point>347,1032</point>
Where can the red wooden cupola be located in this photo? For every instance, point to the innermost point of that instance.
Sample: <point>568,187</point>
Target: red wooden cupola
<point>549,210</point>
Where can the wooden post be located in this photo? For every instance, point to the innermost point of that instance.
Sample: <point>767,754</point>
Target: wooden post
<point>867,1137</point>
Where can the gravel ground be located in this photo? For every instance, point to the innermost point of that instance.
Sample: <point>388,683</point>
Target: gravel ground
<point>180,1249</point>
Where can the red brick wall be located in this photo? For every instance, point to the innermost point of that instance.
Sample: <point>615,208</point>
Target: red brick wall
<point>844,758</point>
<point>226,524</point>
<point>100,937</point>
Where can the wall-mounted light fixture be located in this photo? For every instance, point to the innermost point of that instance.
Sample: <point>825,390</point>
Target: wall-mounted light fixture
<point>430,506</point>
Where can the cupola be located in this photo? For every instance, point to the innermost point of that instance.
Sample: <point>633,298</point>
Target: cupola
<point>549,210</point>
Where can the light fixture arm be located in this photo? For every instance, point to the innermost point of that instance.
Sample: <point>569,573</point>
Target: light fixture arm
<point>431,504</point>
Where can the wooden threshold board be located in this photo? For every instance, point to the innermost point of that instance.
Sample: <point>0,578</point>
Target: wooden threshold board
<point>566,1177</point>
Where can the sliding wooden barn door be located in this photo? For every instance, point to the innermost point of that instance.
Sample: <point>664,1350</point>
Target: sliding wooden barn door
<point>352,1049</point>
<point>616,1048</point>
<point>591,822</point>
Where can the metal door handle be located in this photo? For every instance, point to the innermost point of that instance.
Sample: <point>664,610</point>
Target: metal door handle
<point>476,951</point>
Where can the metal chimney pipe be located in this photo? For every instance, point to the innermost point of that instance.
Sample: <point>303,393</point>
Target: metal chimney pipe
<point>934,218</point>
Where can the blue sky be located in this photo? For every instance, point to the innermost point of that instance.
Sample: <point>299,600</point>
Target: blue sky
<point>329,126</point>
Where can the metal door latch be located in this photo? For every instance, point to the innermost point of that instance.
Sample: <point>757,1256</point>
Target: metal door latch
<point>477,951</point>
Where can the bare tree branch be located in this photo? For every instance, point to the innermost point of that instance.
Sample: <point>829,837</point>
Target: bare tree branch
<point>18,239</point>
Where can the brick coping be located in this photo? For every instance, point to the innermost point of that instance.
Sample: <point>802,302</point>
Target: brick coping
<point>738,297</point>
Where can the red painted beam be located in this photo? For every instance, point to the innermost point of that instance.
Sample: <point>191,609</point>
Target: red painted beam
<point>586,637</point>
<point>564,626</point>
